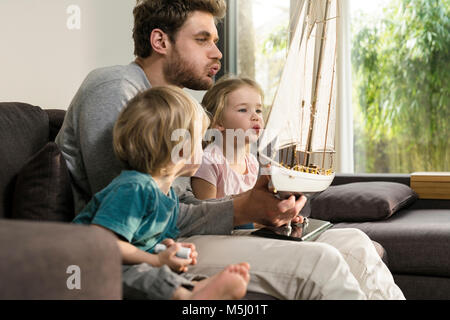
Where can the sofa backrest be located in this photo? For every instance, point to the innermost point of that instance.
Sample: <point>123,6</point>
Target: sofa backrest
<point>24,130</point>
<point>55,121</point>
<point>34,180</point>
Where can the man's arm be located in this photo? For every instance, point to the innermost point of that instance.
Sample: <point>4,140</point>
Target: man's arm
<point>206,218</point>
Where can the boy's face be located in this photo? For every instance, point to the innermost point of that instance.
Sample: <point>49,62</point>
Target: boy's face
<point>194,59</point>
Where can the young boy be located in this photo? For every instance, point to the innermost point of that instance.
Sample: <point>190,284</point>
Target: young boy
<point>141,207</point>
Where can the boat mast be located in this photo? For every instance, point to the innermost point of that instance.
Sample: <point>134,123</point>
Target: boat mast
<point>331,91</point>
<point>314,101</point>
<point>303,102</point>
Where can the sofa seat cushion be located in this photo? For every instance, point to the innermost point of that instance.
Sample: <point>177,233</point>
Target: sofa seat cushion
<point>416,241</point>
<point>423,287</point>
<point>24,129</point>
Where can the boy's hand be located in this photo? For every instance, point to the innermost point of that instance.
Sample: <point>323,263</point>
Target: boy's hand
<point>175,263</point>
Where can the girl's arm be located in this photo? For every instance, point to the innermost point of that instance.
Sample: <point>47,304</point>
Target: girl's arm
<point>202,189</point>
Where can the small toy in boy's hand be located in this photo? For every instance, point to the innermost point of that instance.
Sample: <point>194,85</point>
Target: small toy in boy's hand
<point>183,253</point>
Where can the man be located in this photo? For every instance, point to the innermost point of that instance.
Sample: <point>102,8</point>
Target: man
<point>175,43</point>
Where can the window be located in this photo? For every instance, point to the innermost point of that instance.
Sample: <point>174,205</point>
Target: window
<point>401,73</point>
<point>262,42</point>
<point>400,66</point>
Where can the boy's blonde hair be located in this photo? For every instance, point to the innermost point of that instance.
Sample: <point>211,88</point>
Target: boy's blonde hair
<point>215,99</point>
<point>142,135</point>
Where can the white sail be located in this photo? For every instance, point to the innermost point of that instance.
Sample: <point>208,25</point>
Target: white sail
<point>284,119</point>
<point>307,86</point>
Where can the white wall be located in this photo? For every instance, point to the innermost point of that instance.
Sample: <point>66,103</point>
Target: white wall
<point>43,62</point>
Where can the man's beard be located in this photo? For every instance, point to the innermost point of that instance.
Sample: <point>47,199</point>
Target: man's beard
<point>184,74</point>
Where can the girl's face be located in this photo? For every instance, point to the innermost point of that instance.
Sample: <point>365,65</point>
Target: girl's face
<point>243,110</point>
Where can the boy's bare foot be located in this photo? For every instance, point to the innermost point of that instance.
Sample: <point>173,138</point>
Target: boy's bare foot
<point>229,284</point>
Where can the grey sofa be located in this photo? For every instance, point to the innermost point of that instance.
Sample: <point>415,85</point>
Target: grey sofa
<point>38,245</point>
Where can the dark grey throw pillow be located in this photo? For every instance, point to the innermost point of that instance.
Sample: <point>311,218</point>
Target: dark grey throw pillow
<point>43,190</point>
<point>361,201</point>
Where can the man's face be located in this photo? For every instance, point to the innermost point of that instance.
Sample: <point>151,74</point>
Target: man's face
<point>194,58</point>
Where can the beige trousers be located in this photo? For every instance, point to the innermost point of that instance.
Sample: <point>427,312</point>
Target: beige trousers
<point>340,264</point>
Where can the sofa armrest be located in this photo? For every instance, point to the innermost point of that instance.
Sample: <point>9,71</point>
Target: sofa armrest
<point>41,260</point>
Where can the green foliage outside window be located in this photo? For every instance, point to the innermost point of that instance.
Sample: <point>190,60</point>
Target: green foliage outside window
<point>401,82</point>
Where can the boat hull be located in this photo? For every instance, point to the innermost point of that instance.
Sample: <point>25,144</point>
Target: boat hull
<point>284,180</point>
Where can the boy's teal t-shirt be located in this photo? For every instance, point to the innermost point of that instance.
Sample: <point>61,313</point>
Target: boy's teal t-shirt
<point>134,207</point>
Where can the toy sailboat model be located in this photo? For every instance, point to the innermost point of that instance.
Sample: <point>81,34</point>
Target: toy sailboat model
<point>298,140</point>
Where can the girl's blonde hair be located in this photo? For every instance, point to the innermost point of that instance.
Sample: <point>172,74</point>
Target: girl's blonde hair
<point>215,99</point>
<point>142,136</point>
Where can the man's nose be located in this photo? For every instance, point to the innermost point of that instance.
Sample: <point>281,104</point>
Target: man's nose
<point>216,53</point>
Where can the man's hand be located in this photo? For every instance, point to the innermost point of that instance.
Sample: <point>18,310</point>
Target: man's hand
<point>259,205</point>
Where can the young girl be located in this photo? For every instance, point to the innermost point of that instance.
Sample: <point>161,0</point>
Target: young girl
<point>141,207</point>
<point>228,167</point>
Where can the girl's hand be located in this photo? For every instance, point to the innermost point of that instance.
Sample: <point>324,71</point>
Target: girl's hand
<point>169,258</point>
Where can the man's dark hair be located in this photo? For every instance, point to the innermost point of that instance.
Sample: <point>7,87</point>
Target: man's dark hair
<point>169,16</point>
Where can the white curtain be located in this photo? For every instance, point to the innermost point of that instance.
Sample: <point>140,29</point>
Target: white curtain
<point>344,123</point>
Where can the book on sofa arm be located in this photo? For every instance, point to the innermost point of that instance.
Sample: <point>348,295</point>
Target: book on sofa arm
<point>308,231</point>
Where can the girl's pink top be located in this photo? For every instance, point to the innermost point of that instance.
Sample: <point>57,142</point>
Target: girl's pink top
<point>216,170</point>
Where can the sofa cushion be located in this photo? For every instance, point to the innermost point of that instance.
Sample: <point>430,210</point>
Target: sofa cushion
<point>23,131</point>
<point>362,201</point>
<point>55,119</point>
<point>43,190</point>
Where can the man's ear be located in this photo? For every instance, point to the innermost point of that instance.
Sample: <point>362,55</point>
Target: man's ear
<point>159,41</point>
